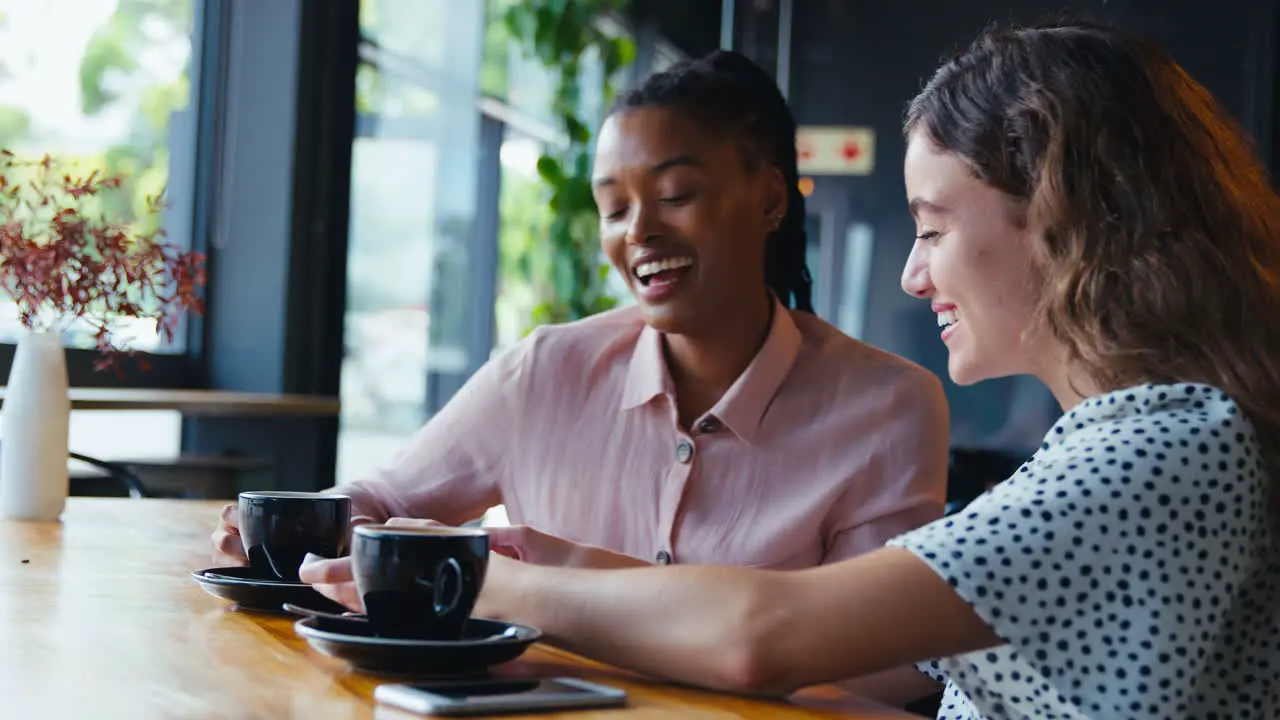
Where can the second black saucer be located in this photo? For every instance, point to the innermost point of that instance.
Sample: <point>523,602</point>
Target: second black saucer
<point>485,643</point>
<point>245,588</point>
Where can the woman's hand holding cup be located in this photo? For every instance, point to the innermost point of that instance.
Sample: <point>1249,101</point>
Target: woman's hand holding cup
<point>228,548</point>
<point>413,578</point>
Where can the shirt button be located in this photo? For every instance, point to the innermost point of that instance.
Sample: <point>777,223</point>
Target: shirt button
<point>709,425</point>
<point>664,557</point>
<point>684,451</point>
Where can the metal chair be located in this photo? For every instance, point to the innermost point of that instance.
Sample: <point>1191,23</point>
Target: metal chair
<point>126,478</point>
<point>120,473</point>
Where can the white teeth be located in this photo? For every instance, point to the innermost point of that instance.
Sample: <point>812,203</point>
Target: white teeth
<point>947,317</point>
<point>651,268</point>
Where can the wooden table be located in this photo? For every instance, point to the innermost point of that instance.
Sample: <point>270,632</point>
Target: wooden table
<point>99,618</point>
<point>201,402</point>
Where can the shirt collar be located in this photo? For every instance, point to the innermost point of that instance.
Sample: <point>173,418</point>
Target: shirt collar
<point>647,376</point>
<point>743,406</point>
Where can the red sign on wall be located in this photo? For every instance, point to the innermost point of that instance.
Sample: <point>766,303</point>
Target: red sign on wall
<point>828,150</point>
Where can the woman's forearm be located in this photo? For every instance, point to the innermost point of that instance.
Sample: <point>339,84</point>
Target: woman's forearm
<point>687,623</point>
<point>743,630</point>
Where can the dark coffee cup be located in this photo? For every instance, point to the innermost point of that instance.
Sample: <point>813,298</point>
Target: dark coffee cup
<point>279,528</point>
<point>419,582</point>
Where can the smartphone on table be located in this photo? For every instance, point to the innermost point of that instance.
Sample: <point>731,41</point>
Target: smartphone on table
<point>498,696</point>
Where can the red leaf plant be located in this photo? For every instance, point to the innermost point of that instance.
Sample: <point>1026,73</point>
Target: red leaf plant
<point>62,260</point>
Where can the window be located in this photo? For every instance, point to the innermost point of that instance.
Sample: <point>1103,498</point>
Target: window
<point>106,85</point>
<point>523,216</point>
<point>507,75</point>
<point>446,206</point>
<point>520,93</point>
<point>855,285</point>
<point>413,208</point>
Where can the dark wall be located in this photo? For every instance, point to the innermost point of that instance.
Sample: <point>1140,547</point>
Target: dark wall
<point>693,26</point>
<point>857,62</point>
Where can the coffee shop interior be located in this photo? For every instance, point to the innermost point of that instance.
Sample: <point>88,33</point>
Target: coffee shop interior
<point>336,213</point>
<point>362,180</point>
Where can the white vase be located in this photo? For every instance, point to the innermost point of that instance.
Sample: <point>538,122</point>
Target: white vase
<point>34,422</point>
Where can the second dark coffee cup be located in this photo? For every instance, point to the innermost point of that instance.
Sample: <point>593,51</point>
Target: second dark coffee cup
<point>419,582</point>
<point>279,528</point>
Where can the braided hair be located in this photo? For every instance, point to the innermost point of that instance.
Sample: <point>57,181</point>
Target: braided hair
<point>729,94</point>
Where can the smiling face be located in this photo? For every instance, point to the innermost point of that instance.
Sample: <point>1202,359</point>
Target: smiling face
<point>972,258</point>
<point>683,217</point>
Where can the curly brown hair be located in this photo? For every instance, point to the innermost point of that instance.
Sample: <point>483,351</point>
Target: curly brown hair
<point>1161,244</point>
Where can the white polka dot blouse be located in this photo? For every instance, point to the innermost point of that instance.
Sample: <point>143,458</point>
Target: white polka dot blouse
<point>1129,566</point>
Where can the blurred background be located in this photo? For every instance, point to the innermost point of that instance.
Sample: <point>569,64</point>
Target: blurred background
<point>363,176</point>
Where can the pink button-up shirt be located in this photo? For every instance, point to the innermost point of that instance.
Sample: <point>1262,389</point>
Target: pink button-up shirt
<point>824,448</point>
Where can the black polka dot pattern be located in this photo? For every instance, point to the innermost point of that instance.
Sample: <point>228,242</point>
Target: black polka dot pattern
<point>1129,566</point>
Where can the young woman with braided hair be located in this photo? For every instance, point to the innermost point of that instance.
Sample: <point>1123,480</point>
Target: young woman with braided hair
<point>718,420</point>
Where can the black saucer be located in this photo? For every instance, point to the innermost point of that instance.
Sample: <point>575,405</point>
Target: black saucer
<point>249,589</point>
<point>485,643</point>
